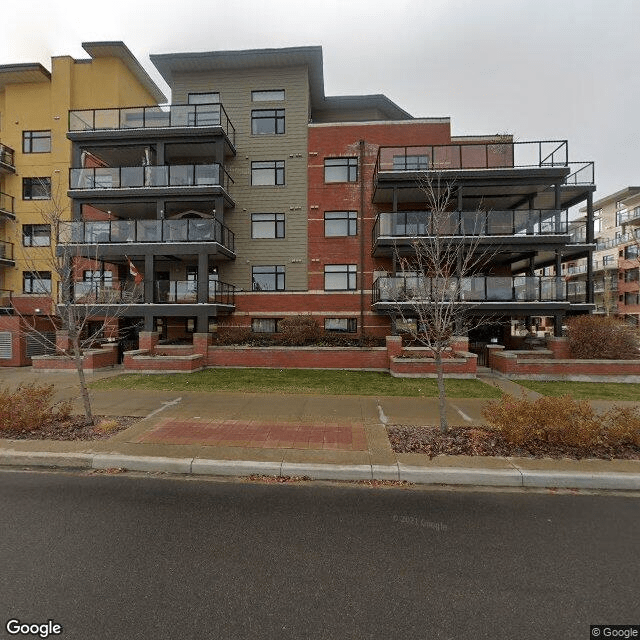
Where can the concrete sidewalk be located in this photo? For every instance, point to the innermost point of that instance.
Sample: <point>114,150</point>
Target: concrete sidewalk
<point>321,437</point>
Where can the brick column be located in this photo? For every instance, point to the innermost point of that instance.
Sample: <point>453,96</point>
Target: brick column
<point>491,349</point>
<point>394,347</point>
<point>63,344</point>
<point>148,340</point>
<point>201,342</point>
<point>559,347</point>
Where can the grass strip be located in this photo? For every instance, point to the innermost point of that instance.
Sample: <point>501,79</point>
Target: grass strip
<point>585,390</point>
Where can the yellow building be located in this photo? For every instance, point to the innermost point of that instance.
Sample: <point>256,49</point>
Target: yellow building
<point>35,154</point>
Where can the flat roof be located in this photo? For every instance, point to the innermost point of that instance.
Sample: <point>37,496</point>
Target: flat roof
<point>22,74</point>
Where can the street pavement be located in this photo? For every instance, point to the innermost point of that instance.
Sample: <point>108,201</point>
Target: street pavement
<point>301,435</point>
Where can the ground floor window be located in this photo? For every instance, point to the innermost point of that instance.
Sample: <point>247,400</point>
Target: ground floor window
<point>341,325</point>
<point>268,278</point>
<point>264,325</point>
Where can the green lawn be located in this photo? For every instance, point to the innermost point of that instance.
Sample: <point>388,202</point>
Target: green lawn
<point>585,390</point>
<point>361,383</point>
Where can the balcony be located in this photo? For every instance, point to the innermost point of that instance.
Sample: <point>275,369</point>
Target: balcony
<point>146,231</point>
<point>6,206</point>
<point>602,245</point>
<point>601,287</point>
<point>150,177</point>
<point>185,292</point>
<point>6,254</point>
<point>625,217</point>
<point>7,161</point>
<point>522,223</point>
<point>190,116</point>
<point>6,304</point>
<point>474,289</point>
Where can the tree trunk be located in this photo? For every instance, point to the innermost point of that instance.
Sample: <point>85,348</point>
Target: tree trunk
<point>442,396</point>
<point>84,391</point>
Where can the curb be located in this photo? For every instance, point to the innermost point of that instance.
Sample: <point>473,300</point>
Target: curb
<point>515,477</point>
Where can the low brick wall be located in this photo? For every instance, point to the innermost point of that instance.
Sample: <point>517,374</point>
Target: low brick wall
<point>460,364</point>
<point>93,360</point>
<point>141,361</point>
<point>372,359</point>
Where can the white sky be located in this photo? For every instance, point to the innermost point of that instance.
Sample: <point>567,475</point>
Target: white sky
<point>540,69</point>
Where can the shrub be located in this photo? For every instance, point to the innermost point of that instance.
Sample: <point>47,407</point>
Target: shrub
<point>233,334</point>
<point>31,406</point>
<point>562,421</point>
<point>602,337</point>
<point>298,331</point>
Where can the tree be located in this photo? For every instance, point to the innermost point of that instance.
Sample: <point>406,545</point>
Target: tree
<point>76,303</point>
<point>436,286</point>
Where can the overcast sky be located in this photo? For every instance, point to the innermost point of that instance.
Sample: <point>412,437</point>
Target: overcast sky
<point>539,69</point>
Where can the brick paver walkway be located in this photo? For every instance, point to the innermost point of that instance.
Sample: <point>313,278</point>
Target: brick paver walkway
<point>242,433</point>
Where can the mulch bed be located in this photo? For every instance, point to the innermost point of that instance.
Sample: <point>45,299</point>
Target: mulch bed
<point>75,428</point>
<point>476,441</point>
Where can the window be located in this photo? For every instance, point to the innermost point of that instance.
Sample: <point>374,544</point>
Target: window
<point>267,225</point>
<point>610,259</point>
<point>341,325</point>
<point>340,223</point>
<point>340,277</point>
<point>36,188</point>
<point>203,98</point>
<point>36,235</point>
<point>341,169</point>
<point>97,277</point>
<point>632,298</point>
<point>410,163</point>
<point>36,141</point>
<point>633,275</point>
<point>267,121</point>
<point>267,96</point>
<point>264,325</point>
<point>36,281</point>
<point>631,252</point>
<point>268,278</point>
<point>270,172</point>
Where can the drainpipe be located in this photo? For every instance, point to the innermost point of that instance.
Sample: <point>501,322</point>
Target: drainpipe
<point>362,254</point>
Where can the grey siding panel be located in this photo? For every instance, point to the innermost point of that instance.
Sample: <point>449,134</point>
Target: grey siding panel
<point>235,94</point>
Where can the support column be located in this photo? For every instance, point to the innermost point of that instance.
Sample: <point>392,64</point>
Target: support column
<point>202,322</point>
<point>203,279</point>
<point>558,321</point>
<point>459,205</point>
<point>559,278</point>
<point>148,280</point>
<point>590,240</point>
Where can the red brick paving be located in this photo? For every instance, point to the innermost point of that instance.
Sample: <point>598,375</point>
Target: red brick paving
<point>237,433</point>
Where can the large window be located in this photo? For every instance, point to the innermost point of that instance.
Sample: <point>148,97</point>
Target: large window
<point>340,277</point>
<point>268,278</point>
<point>267,121</point>
<point>272,95</point>
<point>341,169</point>
<point>267,225</point>
<point>36,141</point>
<point>410,163</point>
<point>264,325</point>
<point>36,281</point>
<point>341,325</point>
<point>36,188</point>
<point>340,223</point>
<point>203,98</point>
<point>269,172</point>
<point>36,235</point>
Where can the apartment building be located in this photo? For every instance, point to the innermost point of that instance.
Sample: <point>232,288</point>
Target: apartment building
<point>253,196</point>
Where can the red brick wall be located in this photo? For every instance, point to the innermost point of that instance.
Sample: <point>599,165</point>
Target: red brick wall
<point>17,327</point>
<point>141,361</point>
<point>94,359</point>
<point>458,365</point>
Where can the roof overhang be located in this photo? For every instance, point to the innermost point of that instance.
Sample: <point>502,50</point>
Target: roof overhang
<point>118,49</point>
<point>23,74</point>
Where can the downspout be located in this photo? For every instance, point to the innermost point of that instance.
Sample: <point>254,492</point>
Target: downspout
<point>362,153</point>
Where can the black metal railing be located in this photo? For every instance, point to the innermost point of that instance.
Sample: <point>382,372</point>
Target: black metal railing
<point>420,289</point>
<point>141,231</point>
<point>182,175</point>
<point>6,204</point>
<point>153,117</point>
<point>471,223</point>
<point>581,173</point>
<point>6,250</point>
<point>95,293</point>
<point>578,234</point>
<point>602,245</point>
<point>7,156</point>
<point>186,292</point>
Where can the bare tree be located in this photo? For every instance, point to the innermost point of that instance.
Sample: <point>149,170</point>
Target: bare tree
<point>77,302</point>
<point>436,288</point>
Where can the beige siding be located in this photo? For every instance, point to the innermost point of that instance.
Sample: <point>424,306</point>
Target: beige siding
<point>291,199</point>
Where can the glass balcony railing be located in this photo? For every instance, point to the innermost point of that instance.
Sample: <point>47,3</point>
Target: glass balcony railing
<point>601,245</point>
<point>471,223</point>
<point>420,289</point>
<point>7,157</point>
<point>105,293</point>
<point>186,292</point>
<point>187,175</point>
<point>5,298</point>
<point>6,205</point>
<point>6,250</point>
<point>629,216</point>
<point>153,117</point>
<point>141,231</point>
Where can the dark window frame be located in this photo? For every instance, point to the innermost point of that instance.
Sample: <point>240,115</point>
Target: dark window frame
<point>275,166</point>
<point>263,271</point>
<point>29,136</point>
<point>255,321</point>
<point>349,271</point>
<point>204,93</point>
<point>348,164</point>
<point>271,92</point>
<point>28,235</point>
<point>348,217</point>
<point>274,117</point>
<point>34,279</point>
<point>277,221</point>
<point>351,325</point>
<point>28,185</point>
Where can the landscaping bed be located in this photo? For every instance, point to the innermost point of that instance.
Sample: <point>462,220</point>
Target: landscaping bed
<point>71,428</point>
<point>479,441</point>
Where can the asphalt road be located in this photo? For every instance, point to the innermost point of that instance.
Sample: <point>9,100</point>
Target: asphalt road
<point>134,557</point>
